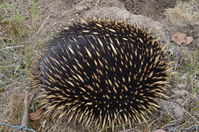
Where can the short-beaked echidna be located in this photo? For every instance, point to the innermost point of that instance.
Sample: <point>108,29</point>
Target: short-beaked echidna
<point>105,72</point>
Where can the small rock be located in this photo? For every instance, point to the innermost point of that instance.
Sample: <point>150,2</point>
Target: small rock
<point>159,130</point>
<point>181,93</point>
<point>81,6</point>
<point>179,101</point>
<point>173,109</point>
<point>178,111</point>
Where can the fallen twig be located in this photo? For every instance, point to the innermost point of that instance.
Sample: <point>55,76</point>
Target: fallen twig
<point>12,47</point>
<point>27,100</point>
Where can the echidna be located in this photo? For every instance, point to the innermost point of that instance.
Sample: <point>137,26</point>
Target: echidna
<point>105,72</point>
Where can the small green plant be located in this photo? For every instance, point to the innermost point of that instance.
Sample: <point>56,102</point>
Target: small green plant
<point>18,43</point>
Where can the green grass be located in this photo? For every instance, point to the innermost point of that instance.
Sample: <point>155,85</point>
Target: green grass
<point>186,65</point>
<point>19,45</point>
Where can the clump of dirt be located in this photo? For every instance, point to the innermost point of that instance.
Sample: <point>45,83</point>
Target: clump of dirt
<point>151,8</point>
<point>123,14</point>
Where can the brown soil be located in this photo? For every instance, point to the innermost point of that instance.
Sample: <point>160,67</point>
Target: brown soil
<point>151,8</point>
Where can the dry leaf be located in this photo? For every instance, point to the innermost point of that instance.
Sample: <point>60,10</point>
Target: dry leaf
<point>181,38</point>
<point>159,130</point>
<point>36,115</point>
<point>189,40</point>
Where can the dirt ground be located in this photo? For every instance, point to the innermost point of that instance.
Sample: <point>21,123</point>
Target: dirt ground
<point>78,8</point>
<point>151,8</point>
<point>161,17</point>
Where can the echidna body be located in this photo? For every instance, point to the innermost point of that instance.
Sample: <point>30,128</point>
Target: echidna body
<point>102,71</point>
